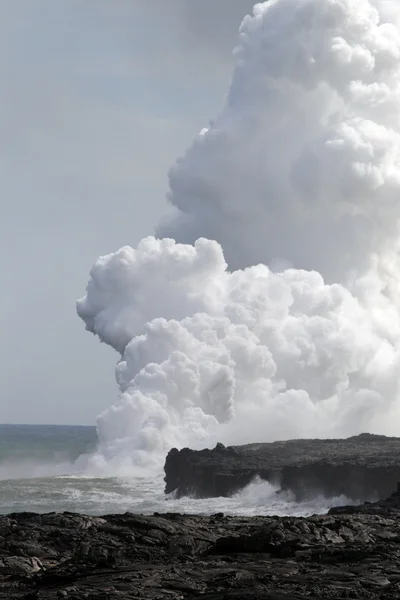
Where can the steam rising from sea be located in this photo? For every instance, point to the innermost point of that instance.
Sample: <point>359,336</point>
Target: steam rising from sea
<point>267,308</point>
<point>47,468</point>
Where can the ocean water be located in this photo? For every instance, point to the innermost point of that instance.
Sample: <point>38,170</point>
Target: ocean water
<point>43,468</point>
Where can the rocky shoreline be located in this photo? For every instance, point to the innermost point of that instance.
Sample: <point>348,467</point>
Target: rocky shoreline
<point>353,552</point>
<point>363,467</point>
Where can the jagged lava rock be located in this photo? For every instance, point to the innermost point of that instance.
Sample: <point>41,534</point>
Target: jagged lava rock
<point>354,553</point>
<point>360,467</point>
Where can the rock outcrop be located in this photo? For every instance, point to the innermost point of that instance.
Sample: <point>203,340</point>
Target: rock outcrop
<point>352,553</point>
<point>361,467</point>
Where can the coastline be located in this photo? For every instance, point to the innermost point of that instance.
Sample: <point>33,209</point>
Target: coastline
<point>352,552</point>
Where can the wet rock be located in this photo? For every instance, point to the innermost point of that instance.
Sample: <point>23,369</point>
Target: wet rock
<point>353,552</point>
<point>362,467</point>
<point>17,565</point>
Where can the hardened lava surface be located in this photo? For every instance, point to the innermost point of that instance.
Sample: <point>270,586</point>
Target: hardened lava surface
<point>353,552</point>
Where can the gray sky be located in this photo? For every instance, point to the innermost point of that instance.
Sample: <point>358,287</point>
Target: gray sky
<point>98,98</point>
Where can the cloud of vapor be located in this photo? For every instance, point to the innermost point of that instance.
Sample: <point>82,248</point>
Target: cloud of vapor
<point>302,163</point>
<point>299,171</point>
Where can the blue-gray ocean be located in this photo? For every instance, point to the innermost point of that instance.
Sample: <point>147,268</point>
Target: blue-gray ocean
<point>42,469</point>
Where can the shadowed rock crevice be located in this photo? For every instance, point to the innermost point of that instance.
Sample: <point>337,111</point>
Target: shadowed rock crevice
<point>362,467</point>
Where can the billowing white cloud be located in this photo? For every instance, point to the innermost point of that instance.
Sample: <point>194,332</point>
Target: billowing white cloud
<point>208,354</point>
<point>301,167</point>
<point>302,163</point>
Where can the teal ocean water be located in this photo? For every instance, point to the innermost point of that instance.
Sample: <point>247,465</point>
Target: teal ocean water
<point>43,443</point>
<point>44,468</point>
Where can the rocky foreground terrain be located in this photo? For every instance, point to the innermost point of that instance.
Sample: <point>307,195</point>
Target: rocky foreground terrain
<point>352,553</point>
<point>362,467</point>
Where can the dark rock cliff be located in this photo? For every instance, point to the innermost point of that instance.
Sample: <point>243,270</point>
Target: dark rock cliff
<point>361,467</point>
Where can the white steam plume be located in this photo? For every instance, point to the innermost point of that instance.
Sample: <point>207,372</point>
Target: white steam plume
<point>302,163</point>
<point>301,167</point>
